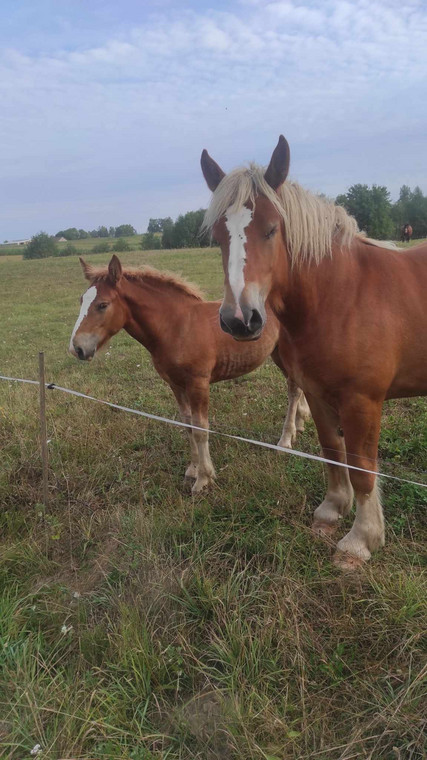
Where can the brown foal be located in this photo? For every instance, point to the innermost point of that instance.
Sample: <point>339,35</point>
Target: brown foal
<point>353,315</point>
<point>170,318</point>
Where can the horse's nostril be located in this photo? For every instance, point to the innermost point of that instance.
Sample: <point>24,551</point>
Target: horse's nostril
<point>80,353</point>
<point>255,322</point>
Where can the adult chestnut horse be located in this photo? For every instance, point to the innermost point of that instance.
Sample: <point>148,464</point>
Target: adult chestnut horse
<point>182,333</point>
<point>406,233</point>
<point>353,316</point>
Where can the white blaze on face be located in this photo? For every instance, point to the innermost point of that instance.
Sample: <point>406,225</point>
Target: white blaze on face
<point>87,299</point>
<point>236,223</point>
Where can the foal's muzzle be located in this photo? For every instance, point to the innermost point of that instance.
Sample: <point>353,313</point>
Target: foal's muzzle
<point>84,349</point>
<point>249,329</point>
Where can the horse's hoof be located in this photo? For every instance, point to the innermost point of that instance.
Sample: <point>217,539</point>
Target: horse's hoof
<point>347,562</point>
<point>324,529</point>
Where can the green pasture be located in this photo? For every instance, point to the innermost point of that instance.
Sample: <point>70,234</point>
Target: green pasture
<point>140,623</point>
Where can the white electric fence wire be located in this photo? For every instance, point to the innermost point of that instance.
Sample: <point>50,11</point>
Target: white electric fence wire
<point>178,423</point>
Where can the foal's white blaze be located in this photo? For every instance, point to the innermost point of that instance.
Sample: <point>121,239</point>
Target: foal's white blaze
<point>236,223</point>
<point>87,299</point>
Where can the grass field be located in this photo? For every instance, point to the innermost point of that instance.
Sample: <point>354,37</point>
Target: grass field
<point>139,623</point>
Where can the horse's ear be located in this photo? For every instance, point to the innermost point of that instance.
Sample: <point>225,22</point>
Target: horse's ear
<point>87,268</point>
<point>278,167</point>
<point>212,173</point>
<point>115,269</point>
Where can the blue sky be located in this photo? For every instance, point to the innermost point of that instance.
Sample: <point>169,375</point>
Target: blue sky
<point>106,106</point>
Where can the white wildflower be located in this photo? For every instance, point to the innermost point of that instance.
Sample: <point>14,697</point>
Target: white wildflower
<point>36,750</point>
<point>66,628</point>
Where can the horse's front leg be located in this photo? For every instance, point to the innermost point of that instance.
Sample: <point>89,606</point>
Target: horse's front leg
<point>339,497</point>
<point>185,413</point>
<point>289,431</point>
<point>198,395</point>
<point>361,420</point>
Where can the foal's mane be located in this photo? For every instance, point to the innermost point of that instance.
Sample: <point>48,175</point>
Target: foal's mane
<point>312,224</point>
<point>150,276</point>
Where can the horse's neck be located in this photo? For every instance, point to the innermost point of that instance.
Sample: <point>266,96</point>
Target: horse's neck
<point>152,306</point>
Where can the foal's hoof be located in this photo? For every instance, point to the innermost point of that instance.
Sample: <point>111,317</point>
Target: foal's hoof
<point>347,562</point>
<point>324,529</point>
<point>188,482</point>
<point>202,483</point>
<point>287,443</point>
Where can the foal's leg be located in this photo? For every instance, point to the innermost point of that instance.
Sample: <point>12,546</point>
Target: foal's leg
<point>361,420</point>
<point>298,410</point>
<point>185,412</point>
<point>339,497</point>
<point>303,413</point>
<point>289,431</point>
<point>198,396</point>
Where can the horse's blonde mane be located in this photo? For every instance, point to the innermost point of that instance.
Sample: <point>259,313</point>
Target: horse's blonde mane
<point>147,274</point>
<point>312,224</point>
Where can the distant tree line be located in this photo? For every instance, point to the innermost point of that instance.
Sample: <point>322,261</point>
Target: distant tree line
<point>371,206</point>
<point>379,217</point>
<point>72,233</point>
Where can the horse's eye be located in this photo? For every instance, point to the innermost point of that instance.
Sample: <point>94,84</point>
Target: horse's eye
<point>102,306</point>
<point>272,232</point>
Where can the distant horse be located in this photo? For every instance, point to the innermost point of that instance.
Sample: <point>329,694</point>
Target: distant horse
<point>353,316</point>
<point>170,318</point>
<point>406,233</point>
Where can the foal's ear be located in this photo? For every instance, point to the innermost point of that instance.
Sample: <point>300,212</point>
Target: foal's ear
<point>87,268</point>
<point>212,173</point>
<point>278,167</point>
<point>115,269</point>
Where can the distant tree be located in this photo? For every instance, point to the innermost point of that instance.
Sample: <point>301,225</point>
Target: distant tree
<point>124,230</point>
<point>68,250</point>
<point>71,233</point>
<point>111,232</point>
<point>151,242</point>
<point>157,225</point>
<point>40,247</point>
<point>186,231</point>
<point>168,233</point>
<point>102,232</point>
<point>103,247</point>
<point>83,234</point>
<point>120,245</point>
<point>371,207</point>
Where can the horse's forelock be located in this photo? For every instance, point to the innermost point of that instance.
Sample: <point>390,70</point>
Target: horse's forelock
<point>312,224</point>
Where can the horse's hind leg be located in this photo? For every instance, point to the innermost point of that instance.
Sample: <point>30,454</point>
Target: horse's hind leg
<point>185,413</point>
<point>361,420</point>
<point>198,396</point>
<point>290,428</point>
<point>339,497</point>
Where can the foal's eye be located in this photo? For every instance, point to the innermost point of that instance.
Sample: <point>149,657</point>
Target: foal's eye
<point>102,306</point>
<point>272,232</point>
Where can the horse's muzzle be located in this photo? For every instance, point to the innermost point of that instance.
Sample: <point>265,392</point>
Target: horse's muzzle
<point>249,330</point>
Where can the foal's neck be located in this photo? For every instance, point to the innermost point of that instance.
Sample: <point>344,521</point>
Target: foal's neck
<point>153,306</point>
